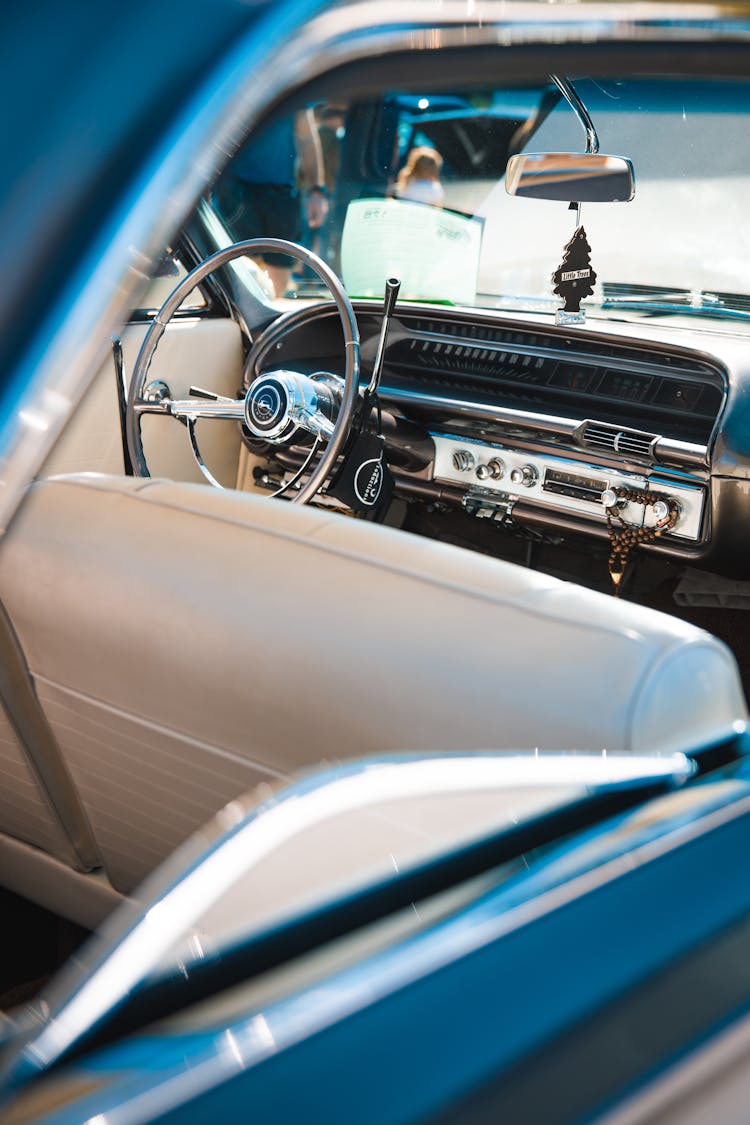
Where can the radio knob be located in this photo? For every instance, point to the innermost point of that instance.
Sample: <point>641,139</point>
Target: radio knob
<point>661,511</point>
<point>463,460</point>
<point>609,498</point>
<point>525,475</point>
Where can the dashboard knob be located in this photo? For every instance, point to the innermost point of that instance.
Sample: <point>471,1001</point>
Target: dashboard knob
<point>661,511</point>
<point>609,498</point>
<point>483,471</point>
<point>525,475</point>
<point>463,460</point>
<point>496,468</point>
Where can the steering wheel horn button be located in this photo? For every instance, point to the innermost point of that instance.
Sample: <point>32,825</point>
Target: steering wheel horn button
<point>280,401</point>
<point>267,407</point>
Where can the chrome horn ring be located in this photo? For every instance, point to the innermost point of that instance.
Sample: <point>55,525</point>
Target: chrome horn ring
<point>190,410</point>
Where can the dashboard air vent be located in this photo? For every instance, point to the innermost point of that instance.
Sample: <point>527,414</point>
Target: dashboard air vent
<point>627,443</point>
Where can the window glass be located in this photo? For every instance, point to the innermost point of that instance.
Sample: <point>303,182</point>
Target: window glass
<point>412,184</point>
<point>170,272</point>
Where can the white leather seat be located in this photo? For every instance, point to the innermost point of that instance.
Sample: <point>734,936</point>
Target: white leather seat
<point>43,826</point>
<point>186,644</point>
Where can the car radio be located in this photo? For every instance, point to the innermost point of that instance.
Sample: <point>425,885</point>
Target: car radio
<point>498,474</point>
<point>572,484</point>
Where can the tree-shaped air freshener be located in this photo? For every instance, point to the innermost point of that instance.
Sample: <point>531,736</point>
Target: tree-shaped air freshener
<point>574,279</point>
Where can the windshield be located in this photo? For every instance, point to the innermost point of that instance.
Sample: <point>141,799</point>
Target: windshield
<point>413,185</point>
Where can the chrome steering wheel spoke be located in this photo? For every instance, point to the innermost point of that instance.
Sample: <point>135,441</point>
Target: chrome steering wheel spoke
<point>199,456</point>
<point>192,409</point>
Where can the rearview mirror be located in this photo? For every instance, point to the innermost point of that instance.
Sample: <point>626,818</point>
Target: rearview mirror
<point>572,177</point>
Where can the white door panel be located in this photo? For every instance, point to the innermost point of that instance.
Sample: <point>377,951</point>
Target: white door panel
<point>206,353</point>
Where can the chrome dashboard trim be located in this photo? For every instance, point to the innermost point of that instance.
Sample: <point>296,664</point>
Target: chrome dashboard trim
<point>563,426</point>
<point>670,450</point>
<point>667,449</point>
<point>691,494</point>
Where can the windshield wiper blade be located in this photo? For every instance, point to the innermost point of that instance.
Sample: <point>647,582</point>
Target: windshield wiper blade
<point>689,302</point>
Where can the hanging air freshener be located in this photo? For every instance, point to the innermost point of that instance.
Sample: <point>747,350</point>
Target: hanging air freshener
<point>574,279</point>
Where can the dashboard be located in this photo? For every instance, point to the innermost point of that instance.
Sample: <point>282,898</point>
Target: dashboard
<point>524,424</point>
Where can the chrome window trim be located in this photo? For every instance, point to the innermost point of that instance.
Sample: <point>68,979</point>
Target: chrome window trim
<point>137,941</point>
<point>279,54</point>
<point>288,1021</point>
<point>291,1021</point>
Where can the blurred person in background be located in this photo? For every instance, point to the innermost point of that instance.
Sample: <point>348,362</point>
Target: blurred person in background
<point>419,179</point>
<point>259,195</point>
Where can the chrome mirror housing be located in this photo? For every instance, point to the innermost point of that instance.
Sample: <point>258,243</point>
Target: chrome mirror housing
<point>571,177</point>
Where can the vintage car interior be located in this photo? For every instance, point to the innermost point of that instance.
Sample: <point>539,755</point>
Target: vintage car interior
<point>194,604</point>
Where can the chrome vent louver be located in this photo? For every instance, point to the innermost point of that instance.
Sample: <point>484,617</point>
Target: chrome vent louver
<point>614,439</point>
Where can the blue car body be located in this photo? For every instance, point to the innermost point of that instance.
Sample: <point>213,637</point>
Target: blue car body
<point>551,993</point>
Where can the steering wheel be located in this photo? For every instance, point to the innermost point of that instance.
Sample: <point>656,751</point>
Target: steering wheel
<point>276,405</point>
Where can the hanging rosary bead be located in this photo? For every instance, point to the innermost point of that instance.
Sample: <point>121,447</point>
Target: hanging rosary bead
<point>624,538</point>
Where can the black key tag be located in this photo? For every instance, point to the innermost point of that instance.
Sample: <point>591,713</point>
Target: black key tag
<point>365,482</point>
